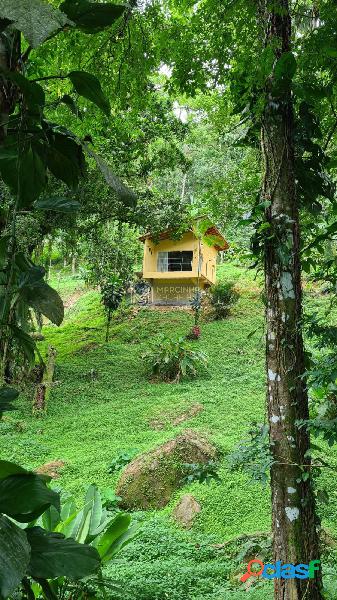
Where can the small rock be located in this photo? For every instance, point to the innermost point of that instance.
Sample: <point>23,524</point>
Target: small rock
<point>186,511</point>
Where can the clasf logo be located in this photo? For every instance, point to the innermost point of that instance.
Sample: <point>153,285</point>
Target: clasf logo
<point>279,570</point>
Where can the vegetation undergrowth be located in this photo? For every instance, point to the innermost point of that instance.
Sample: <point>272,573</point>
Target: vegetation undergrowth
<point>104,405</point>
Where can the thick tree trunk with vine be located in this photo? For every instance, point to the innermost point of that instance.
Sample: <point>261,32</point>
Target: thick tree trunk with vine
<point>295,538</point>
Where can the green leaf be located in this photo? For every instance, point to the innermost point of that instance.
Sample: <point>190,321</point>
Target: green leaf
<point>32,176</point>
<point>124,193</point>
<point>36,19</point>
<point>9,468</point>
<point>91,17</point>
<point>64,205</point>
<point>31,90</point>
<point>50,518</point>
<point>46,300</point>
<point>118,534</point>
<point>285,67</point>
<point>26,343</point>
<point>52,556</point>
<point>15,555</point>
<point>25,496</point>
<point>70,102</point>
<point>65,158</point>
<point>96,513</point>
<point>88,86</point>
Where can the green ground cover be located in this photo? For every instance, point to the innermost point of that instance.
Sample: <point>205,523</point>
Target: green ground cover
<point>103,403</point>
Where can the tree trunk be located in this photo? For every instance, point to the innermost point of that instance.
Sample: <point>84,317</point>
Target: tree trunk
<point>295,538</point>
<point>43,389</point>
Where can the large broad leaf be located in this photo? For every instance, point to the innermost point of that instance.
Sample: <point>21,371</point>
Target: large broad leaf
<point>53,555</point>
<point>88,86</point>
<point>9,468</point>
<point>64,205</point>
<point>118,535</point>
<point>24,497</point>
<point>25,342</point>
<point>65,158</point>
<point>36,19</point>
<point>31,90</point>
<point>50,519</point>
<point>124,193</point>
<point>96,513</point>
<point>15,555</point>
<point>32,175</point>
<point>91,17</point>
<point>46,300</point>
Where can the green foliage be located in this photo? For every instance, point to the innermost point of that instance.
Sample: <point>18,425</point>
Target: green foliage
<point>223,296</point>
<point>202,473</point>
<point>253,456</point>
<point>122,459</point>
<point>32,551</point>
<point>172,360</point>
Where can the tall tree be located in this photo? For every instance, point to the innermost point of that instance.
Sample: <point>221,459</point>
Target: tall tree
<point>295,537</point>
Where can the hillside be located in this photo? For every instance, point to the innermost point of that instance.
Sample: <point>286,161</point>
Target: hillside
<point>103,403</point>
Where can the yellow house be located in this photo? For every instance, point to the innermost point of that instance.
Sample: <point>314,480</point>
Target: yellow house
<point>175,269</point>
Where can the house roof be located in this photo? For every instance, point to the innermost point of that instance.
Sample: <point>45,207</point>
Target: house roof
<point>219,242</point>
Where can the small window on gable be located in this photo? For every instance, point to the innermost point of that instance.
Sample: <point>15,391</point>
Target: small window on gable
<point>175,261</point>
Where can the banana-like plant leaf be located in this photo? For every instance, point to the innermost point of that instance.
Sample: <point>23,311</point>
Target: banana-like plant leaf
<point>53,555</point>
<point>96,513</point>
<point>25,342</point>
<point>9,468</point>
<point>91,17</point>
<point>36,19</point>
<point>25,496</point>
<point>64,205</point>
<point>118,534</point>
<point>50,518</point>
<point>88,86</point>
<point>46,300</point>
<point>15,555</point>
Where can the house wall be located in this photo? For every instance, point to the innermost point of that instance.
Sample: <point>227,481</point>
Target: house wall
<point>187,242</point>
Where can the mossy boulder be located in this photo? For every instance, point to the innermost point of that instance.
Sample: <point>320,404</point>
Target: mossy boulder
<point>150,479</point>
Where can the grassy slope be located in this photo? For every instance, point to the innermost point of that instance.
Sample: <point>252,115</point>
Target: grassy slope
<point>90,420</point>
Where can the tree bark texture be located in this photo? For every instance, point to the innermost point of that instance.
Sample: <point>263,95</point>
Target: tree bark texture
<point>295,538</point>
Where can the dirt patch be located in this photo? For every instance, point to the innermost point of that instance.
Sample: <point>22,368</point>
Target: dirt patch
<point>165,419</point>
<point>73,298</point>
<point>52,468</point>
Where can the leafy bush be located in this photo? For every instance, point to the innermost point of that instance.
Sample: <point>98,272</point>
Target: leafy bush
<point>202,473</point>
<point>222,297</point>
<point>122,459</point>
<point>173,360</point>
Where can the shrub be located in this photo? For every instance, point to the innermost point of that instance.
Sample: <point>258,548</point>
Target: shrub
<point>172,360</point>
<point>222,297</point>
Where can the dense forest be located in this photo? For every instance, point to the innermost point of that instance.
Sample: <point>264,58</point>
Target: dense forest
<point>168,281</point>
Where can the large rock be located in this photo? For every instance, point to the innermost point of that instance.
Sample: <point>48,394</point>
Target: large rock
<point>151,478</point>
<point>186,511</point>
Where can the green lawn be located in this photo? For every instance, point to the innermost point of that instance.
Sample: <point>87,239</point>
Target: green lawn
<point>90,420</point>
